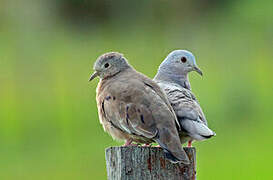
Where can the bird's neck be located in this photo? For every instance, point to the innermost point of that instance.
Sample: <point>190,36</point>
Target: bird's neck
<point>167,76</point>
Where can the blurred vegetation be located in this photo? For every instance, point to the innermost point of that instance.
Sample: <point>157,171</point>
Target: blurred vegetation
<point>49,128</point>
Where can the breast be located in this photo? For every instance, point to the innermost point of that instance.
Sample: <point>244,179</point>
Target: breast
<point>108,127</point>
<point>110,93</point>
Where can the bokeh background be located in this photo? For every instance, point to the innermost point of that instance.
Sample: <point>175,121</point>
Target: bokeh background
<point>49,127</point>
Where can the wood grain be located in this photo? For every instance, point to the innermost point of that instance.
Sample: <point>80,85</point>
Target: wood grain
<point>136,163</point>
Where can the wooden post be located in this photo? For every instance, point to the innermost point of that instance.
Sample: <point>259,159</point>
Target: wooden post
<point>136,163</point>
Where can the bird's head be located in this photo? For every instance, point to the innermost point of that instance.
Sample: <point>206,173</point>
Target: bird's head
<point>108,65</point>
<point>180,62</point>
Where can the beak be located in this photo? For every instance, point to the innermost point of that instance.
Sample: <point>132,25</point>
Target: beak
<point>94,75</point>
<point>198,70</point>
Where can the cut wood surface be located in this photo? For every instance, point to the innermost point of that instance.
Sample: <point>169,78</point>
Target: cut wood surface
<point>136,163</point>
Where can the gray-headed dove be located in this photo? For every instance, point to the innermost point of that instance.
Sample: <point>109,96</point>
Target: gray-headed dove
<point>133,108</point>
<point>172,77</point>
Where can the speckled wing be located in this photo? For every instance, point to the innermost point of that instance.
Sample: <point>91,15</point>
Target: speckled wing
<point>161,93</point>
<point>133,107</point>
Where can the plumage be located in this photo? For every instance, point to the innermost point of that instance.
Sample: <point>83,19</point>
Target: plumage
<point>132,107</point>
<point>176,85</point>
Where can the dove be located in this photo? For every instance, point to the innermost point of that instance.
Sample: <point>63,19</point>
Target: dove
<point>172,77</point>
<point>133,108</point>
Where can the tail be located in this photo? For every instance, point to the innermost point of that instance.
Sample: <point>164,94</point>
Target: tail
<point>197,130</point>
<point>172,147</point>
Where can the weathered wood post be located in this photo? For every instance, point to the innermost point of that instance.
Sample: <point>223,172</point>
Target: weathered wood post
<point>135,163</point>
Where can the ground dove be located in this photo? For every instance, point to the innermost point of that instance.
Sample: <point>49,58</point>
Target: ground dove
<point>172,77</point>
<point>133,108</point>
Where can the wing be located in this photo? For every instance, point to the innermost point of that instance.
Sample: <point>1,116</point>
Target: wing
<point>189,113</point>
<point>161,93</point>
<point>185,104</point>
<point>129,108</point>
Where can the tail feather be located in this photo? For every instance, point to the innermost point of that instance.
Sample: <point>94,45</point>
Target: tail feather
<point>174,157</point>
<point>168,155</point>
<point>197,130</point>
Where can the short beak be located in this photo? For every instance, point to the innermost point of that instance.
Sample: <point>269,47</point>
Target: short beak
<point>198,70</point>
<point>94,75</point>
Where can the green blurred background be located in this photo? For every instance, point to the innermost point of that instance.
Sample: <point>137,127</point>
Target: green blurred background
<point>49,127</point>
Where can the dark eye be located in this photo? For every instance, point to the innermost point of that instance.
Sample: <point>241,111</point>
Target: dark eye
<point>106,65</point>
<point>183,59</point>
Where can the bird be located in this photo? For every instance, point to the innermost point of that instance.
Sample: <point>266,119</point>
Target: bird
<point>133,108</point>
<point>172,77</point>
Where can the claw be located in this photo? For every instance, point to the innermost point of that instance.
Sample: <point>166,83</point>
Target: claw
<point>189,143</point>
<point>129,143</point>
<point>147,145</point>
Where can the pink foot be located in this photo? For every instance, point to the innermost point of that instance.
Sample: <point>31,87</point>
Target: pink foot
<point>158,146</point>
<point>129,143</point>
<point>189,143</point>
<point>147,145</point>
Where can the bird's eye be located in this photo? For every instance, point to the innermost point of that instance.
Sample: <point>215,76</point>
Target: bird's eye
<point>183,59</point>
<point>106,65</point>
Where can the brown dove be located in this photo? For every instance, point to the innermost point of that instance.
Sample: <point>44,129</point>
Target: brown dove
<point>133,108</point>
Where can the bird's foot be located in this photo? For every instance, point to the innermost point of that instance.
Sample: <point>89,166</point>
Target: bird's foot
<point>147,145</point>
<point>133,145</point>
<point>158,146</point>
<point>189,143</point>
<point>129,143</point>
